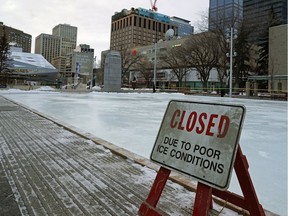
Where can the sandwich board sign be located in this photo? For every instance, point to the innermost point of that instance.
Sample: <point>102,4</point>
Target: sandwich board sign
<point>200,139</point>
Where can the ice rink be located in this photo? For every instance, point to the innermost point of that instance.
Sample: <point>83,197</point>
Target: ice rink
<point>132,121</point>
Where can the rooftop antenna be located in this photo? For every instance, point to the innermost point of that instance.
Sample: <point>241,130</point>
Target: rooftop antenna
<point>169,34</point>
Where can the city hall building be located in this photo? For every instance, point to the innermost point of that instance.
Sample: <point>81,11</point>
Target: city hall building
<point>30,67</point>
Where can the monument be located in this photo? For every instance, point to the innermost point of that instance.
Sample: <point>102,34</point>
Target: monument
<point>112,72</point>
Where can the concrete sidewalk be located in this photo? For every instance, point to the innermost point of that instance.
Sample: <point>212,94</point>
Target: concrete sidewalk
<point>48,168</point>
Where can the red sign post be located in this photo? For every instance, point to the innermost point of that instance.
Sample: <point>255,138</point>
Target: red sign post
<point>201,140</point>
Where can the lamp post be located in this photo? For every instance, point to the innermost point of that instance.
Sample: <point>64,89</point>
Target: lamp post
<point>231,62</point>
<point>91,81</point>
<point>155,58</point>
<point>232,35</point>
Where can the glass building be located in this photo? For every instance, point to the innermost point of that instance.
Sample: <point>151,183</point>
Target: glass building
<point>258,15</point>
<point>29,66</point>
<point>224,14</point>
<point>184,26</point>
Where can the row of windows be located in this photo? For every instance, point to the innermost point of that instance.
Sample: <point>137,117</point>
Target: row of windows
<point>129,34</point>
<point>215,3</point>
<point>126,40</point>
<point>135,29</point>
<point>140,22</point>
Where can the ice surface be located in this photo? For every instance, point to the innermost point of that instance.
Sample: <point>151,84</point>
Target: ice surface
<point>132,121</point>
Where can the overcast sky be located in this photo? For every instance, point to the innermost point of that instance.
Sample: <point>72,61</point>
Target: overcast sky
<point>93,18</point>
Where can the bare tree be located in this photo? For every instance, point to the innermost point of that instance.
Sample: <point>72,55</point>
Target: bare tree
<point>145,67</point>
<point>242,49</point>
<point>220,52</point>
<point>202,24</point>
<point>129,59</point>
<point>201,52</point>
<point>177,60</point>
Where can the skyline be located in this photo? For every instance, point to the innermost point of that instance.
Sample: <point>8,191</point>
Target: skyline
<point>93,19</point>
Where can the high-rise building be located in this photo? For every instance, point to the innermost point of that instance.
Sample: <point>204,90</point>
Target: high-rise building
<point>68,36</point>
<point>48,46</point>
<point>224,14</point>
<point>84,48</point>
<point>278,64</point>
<point>258,15</point>
<point>80,64</point>
<point>17,37</point>
<point>55,47</point>
<point>138,27</point>
<point>184,26</point>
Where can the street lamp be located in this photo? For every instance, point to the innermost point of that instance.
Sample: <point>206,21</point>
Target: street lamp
<point>155,56</point>
<point>232,34</point>
<point>155,63</point>
<point>91,81</point>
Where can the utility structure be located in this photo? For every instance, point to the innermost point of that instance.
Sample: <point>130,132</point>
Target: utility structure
<point>154,9</point>
<point>231,35</point>
<point>153,5</point>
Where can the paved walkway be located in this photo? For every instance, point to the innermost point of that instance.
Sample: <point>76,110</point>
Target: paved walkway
<point>46,169</point>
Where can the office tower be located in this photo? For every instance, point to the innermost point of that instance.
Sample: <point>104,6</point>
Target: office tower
<point>259,15</point>
<point>80,62</point>
<point>138,27</point>
<point>48,46</point>
<point>68,36</point>
<point>17,37</point>
<point>84,48</point>
<point>224,14</point>
<point>184,26</point>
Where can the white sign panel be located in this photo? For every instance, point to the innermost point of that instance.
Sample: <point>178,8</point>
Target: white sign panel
<point>200,139</point>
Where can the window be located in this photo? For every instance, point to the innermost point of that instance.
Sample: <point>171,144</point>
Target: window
<point>135,20</point>
<point>145,20</point>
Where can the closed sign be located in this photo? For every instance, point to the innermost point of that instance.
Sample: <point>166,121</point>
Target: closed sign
<point>200,139</point>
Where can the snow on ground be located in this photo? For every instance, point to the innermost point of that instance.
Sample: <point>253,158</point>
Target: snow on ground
<point>132,121</point>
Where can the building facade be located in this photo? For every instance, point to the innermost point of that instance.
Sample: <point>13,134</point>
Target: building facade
<point>165,77</point>
<point>48,46</point>
<point>184,26</point>
<point>278,63</point>
<point>59,62</point>
<point>55,47</point>
<point>79,64</point>
<point>84,48</point>
<point>68,35</point>
<point>17,37</point>
<point>31,67</point>
<point>138,27</point>
<point>224,14</point>
<point>258,15</point>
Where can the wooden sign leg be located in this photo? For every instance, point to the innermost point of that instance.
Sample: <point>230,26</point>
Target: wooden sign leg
<point>203,200</point>
<point>241,168</point>
<point>249,201</point>
<point>148,208</point>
